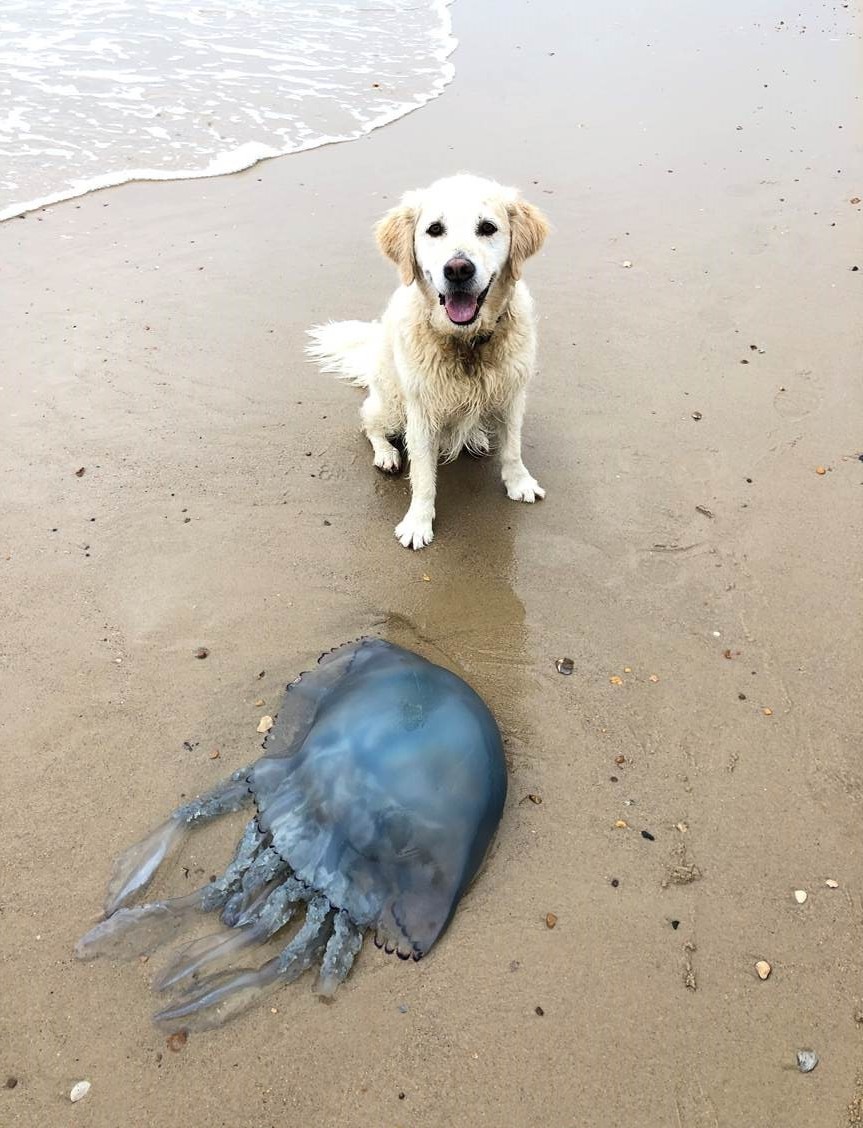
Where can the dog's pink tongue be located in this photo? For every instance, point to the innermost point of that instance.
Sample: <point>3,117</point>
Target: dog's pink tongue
<point>460,308</point>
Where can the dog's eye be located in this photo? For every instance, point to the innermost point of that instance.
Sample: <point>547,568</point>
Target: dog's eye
<point>435,230</point>
<point>486,227</point>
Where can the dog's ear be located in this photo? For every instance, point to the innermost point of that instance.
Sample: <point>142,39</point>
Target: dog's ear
<point>395,236</point>
<point>528,229</point>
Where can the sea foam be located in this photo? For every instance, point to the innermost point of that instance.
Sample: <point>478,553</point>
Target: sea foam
<point>95,93</point>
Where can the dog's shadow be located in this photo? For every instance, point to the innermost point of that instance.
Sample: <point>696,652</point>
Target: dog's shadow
<point>465,605</point>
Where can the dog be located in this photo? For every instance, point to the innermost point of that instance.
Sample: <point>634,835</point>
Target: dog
<point>448,365</point>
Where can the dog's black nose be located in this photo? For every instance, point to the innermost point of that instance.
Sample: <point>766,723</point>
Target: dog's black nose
<point>459,270</point>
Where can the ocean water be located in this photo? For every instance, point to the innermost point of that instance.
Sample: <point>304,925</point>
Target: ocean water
<point>98,92</point>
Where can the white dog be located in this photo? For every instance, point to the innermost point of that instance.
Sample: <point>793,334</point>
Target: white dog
<point>448,365</point>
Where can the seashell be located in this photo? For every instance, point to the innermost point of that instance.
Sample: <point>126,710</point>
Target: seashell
<point>79,1091</point>
<point>806,1060</point>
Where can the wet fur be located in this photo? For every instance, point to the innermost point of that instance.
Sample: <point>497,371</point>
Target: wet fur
<point>445,387</point>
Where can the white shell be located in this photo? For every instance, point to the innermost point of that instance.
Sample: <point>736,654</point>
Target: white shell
<point>800,896</point>
<point>763,968</point>
<point>831,883</point>
<point>79,1091</point>
<point>806,1060</point>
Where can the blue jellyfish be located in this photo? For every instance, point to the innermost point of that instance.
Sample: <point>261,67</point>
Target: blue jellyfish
<point>378,794</point>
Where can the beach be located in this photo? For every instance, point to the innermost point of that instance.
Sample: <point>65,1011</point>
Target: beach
<point>174,474</point>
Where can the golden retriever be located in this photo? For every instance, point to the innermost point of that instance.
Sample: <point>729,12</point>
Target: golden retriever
<point>447,367</point>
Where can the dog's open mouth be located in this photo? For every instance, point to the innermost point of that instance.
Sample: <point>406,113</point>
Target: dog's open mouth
<point>463,308</point>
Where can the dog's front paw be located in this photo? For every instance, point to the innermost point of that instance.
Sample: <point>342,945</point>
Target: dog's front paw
<point>415,531</point>
<point>388,459</point>
<point>524,488</point>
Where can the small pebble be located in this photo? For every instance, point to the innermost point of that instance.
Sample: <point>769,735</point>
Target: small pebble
<point>820,469</point>
<point>627,669</point>
<point>653,678</point>
<point>201,652</point>
<point>626,264</point>
<point>260,701</point>
<point>621,825</point>
<point>539,1011</point>
<point>565,666</point>
<point>620,759</point>
<point>650,837</point>
<point>697,416</point>
<point>177,1040</point>
<point>831,883</point>
<point>550,920</point>
<point>616,679</point>
<point>614,883</point>
<point>265,724</point>
<point>800,896</point>
<point>79,1091</point>
<point>767,711</point>
<point>11,1083</point>
<point>675,924</point>
<point>806,1060</point>
<point>214,754</point>
<point>537,799</point>
<point>763,968</point>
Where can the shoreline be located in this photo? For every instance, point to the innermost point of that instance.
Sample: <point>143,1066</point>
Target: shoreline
<point>250,154</point>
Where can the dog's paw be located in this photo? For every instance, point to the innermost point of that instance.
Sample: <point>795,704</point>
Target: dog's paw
<point>524,488</point>
<point>414,531</point>
<point>388,459</point>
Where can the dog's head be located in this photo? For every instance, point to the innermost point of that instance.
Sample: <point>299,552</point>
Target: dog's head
<point>463,241</point>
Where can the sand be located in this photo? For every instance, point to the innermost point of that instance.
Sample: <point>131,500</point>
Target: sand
<point>153,336</point>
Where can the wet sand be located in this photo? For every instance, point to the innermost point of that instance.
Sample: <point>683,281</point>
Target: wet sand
<point>153,336</point>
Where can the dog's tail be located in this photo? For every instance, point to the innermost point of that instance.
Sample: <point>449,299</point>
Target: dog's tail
<point>350,349</point>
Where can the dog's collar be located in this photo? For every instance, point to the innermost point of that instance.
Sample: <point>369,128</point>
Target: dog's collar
<point>484,338</point>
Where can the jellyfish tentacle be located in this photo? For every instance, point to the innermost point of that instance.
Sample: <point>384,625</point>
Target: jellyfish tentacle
<point>207,954</point>
<point>139,930</point>
<point>341,951</point>
<point>217,892</point>
<point>133,870</point>
<point>267,866</point>
<point>211,952</point>
<point>225,995</point>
